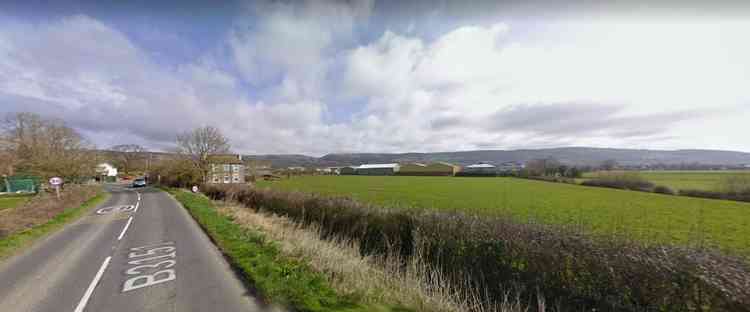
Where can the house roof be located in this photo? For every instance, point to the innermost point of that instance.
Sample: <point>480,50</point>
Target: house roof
<point>378,166</point>
<point>480,166</point>
<point>224,159</point>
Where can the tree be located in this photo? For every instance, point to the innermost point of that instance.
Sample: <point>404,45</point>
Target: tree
<point>128,155</point>
<point>609,164</point>
<point>46,147</point>
<point>199,143</point>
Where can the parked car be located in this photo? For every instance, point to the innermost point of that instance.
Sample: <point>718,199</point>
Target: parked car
<point>139,182</point>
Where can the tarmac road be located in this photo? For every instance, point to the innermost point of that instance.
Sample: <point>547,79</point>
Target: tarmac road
<point>139,251</point>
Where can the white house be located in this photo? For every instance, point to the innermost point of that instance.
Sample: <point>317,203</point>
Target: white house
<point>105,169</point>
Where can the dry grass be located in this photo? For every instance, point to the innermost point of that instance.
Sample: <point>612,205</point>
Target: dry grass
<point>42,208</point>
<point>376,280</point>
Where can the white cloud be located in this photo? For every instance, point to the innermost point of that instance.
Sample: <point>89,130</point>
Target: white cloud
<point>605,84</point>
<point>652,78</point>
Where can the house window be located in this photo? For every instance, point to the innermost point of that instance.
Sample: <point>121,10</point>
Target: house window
<point>236,179</point>
<point>216,179</point>
<point>226,168</point>
<point>226,179</point>
<point>236,168</point>
<point>213,168</point>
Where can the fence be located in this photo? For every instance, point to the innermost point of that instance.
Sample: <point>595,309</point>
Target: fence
<point>19,184</point>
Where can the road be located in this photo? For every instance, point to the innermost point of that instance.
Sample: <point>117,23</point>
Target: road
<point>139,251</point>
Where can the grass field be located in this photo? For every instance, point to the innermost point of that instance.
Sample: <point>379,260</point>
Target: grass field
<point>12,201</point>
<point>645,216</point>
<point>681,180</point>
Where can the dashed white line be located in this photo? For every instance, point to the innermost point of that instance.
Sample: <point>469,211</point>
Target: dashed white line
<point>90,290</point>
<point>125,229</point>
<point>136,206</point>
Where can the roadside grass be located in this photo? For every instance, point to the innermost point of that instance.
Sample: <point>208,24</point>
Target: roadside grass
<point>389,279</point>
<point>12,201</point>
<point>647,217</point>
<point>280,279</point>
<point>16,242</point>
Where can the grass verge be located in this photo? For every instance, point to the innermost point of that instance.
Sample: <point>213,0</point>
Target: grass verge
<point>15,242</point>
<point>11,201</point>
<point>281,280</point>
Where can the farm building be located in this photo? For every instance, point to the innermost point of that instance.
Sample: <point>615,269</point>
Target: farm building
<point>378,169</point>
<point>348,170</point>
<point>479,170</point>
<point>433,169</point>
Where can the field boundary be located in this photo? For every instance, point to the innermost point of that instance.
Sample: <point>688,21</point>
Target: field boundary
<point>279,279</point>
<point>17,242</point>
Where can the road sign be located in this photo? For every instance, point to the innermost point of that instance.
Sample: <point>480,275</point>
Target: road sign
<point>56,181</point>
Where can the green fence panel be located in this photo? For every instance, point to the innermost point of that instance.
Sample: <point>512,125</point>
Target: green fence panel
<point>20,184</point>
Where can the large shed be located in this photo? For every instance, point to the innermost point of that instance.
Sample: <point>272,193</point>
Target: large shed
<point>432,169</point>
<point>480,169</point>
<point>348,170</point>
<point>378,169</point>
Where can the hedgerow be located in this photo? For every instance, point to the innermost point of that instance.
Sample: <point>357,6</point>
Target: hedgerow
<point>499,256</point>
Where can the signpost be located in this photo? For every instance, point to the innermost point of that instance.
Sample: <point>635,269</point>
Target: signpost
<point>56,182</point>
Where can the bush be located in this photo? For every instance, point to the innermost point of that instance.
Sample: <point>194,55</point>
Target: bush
<point>744,196</point>
<point>661,189</point>
<point>621,180</point>
<point>494,255</point>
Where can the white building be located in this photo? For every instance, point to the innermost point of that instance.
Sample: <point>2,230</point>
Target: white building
<point>377,169</point>
<point>480,169</point>
<point>105,169</point>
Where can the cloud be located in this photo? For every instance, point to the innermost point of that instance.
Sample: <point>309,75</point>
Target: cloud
<point>288,47</point>
<point>301,78</point>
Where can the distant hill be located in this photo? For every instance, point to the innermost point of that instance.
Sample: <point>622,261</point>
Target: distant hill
<point>570,155</point>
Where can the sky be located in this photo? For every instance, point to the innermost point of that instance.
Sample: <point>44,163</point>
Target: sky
<point>319,77</point>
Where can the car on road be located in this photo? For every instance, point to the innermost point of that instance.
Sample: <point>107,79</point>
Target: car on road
<point>139,182</point>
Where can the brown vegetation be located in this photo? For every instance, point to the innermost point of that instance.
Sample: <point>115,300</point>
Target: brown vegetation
<point>197,145</point>
<point>42,147</point>
<point>621,180</point>
<point>496,256</point>
<point>376,279</point>
<point>42,208</point>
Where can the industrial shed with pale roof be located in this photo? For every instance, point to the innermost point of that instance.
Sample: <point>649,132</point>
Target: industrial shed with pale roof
<point>378,169</point>
<point>432,169</point>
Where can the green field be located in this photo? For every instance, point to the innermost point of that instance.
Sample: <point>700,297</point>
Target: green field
<point>648,217</point>
<point>681,180</point>
<point>12,201</point>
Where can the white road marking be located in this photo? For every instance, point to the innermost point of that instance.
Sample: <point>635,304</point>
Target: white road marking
<point>90,290</point>
<point>138,203</point>
<point>127,225</point>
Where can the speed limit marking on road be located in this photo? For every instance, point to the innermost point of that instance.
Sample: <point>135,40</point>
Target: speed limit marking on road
<point>113,209</point>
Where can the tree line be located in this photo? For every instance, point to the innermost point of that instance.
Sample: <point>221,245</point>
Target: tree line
<point>34,145</point>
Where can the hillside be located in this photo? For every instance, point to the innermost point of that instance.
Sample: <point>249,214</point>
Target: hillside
<point>568,155</point>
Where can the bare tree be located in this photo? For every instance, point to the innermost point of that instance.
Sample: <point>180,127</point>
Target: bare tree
<point>46,147</point>
<point>128,155</point>
<point>199,144</point>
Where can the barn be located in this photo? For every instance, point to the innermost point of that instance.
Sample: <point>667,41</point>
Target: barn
<point>348,170</point>
<point>432,169</point>
<point>480,169</point>
<point>378,169</point>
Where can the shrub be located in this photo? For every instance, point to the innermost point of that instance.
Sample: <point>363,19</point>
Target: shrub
<point>744,196</point>
<point>661,189</point>
<point>494,255</point>
<point>621,180</point>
